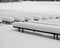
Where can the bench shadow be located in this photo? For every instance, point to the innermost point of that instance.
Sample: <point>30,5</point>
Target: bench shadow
<point>37,34</point>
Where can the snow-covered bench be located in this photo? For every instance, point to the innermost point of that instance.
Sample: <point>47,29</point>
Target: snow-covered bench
<point>45,17</point>
<point>45,28</point>
<point>29,18</point>
<point>7,19</point>
<point>22,19</point>
<point>19,19</point>
<point>41,18</point>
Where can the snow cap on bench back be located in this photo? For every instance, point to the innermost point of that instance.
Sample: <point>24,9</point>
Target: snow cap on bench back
<point>42,18</point>
<point>29,18</point>
<point>6,18</point>
<point>19,18</point>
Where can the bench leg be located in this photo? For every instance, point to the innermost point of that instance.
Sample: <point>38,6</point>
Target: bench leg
<point>19,29</point>
<point>53,36</point>
<point>6,22</point>
<point>9,22</point>
<point>56,37</point>
<point>22,30</point>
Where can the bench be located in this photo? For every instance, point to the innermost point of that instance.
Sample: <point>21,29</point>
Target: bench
<point>19,19</point>
<point>7,20</point>
<point>44,28</point>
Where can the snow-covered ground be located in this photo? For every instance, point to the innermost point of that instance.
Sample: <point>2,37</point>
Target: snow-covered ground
<point>31,8</point>
<point>11,38</point>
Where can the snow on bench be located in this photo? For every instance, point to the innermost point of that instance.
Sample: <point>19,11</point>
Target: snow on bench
<point>19,19</point>
<point>42,18</point>
<point>47,22</point>
<point>29,18</point>
<point>7,19</point>
<point>45,17</point>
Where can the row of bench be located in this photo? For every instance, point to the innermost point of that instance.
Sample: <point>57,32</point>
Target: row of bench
<point>8,19</point>
<point>40,24</point>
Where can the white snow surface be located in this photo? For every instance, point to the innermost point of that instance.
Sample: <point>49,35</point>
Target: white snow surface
<point>10,38</point>
<point>31,8</point>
